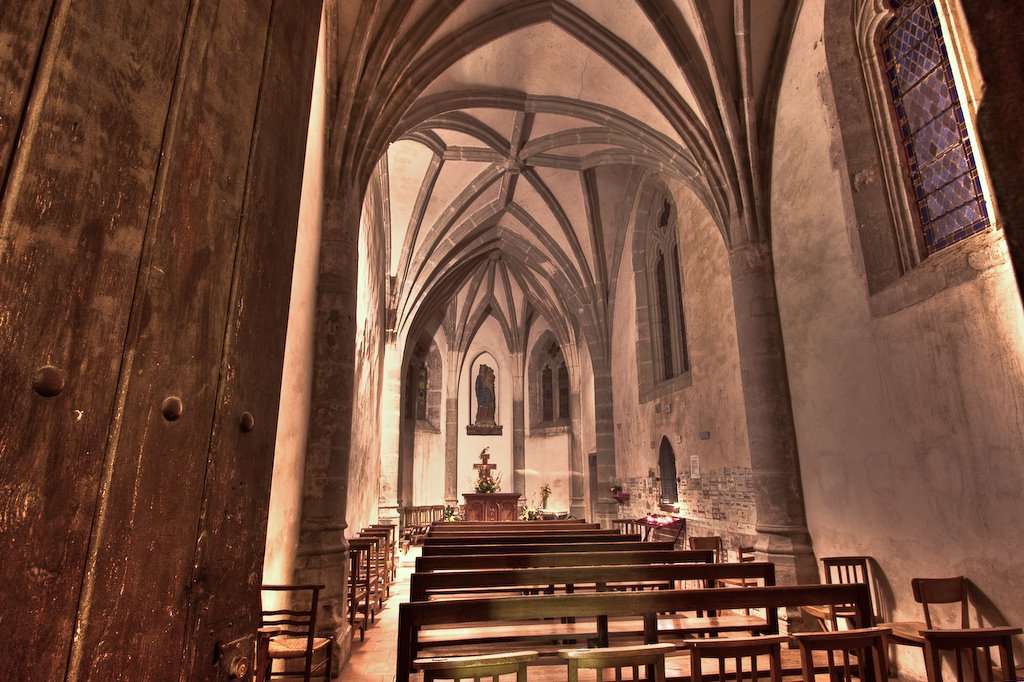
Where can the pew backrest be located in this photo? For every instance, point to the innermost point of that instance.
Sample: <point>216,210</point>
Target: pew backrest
<point>652,552</point>
<point>603,577</point>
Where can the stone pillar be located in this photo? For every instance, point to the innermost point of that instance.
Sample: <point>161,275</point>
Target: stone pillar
<point>518,426</point>
<point>322,555</point>
<point>603,507</point>
<point>781,523</point>
<point>451,431</point>
<point>576,493</point>
<point>390,437</point>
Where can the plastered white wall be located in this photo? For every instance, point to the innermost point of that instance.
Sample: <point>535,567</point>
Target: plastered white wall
<point>712,403</point>
<point>910,425</point>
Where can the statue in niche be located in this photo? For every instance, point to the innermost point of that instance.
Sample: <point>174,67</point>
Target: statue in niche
<point>484,424</point>
<point>485,396</point>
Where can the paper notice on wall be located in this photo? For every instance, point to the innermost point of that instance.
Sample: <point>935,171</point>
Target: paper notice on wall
<point>694,466</point>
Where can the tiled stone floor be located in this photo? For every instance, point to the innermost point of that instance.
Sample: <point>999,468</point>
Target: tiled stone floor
<point>373,660</point>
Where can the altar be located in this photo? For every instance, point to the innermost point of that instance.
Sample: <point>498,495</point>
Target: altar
<point>491,506</point>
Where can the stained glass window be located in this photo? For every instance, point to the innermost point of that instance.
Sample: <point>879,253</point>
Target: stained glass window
<point>547,397</point>
<point>563,392</point>
<point>930,121</point>
<point>421,393</point>
<point>684,353</point>
<point>665,323</point>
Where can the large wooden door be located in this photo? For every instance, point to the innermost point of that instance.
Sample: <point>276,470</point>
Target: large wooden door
<point>150,159</point>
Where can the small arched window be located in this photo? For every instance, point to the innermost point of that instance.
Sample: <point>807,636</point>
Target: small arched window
<point>940,163</point>
<point>667,473</point>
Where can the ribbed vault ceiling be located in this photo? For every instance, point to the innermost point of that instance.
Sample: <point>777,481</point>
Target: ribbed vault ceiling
<point>513,136</point>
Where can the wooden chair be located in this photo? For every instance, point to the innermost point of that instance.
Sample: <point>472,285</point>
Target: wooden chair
<point>968,644</point>
<point>618,658</point>
<point>739,649</point>
<point>712,542</point>
<point>744,555</point>
<point>475,668</point>
<point>840,570</point>
<point>929,591</point>
<point>295,633</point>
<point>862,654</point>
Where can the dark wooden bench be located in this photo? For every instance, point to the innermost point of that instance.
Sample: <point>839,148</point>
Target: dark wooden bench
<point>528,538</point>
<point>533,526</point>
<point>604,545</point>
<point>570,579</point>
<point>509,622</point>
<point>525,532</point>
<point>661,553</point>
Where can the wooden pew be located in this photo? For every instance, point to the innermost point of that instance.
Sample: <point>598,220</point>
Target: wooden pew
<point>659,553</point>
<point>455,526</point>
<point>538,618</point>
<point>571,578</point>
<point>534,530</point>
<point>604,545</point>
<point>528,538</point>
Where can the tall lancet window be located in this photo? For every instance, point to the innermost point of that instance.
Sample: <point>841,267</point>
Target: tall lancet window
<point>547,394</point>
<point>940,161</point>
<point>665,292</point>
<point>563,391</point>
<point>549,384</point>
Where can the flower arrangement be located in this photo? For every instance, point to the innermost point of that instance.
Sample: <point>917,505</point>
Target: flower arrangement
<point>488,484</point>
<point>529,513</point>
<point>619,495</point>
<point>451,513</point>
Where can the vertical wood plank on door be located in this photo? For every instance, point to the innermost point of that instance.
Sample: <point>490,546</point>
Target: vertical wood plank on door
<point>229,562</point>
<point>140,572</point>
<point>22,25</point>
<point>71,230</point>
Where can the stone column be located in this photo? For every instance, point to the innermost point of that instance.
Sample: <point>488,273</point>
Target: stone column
<point>576,493</point>
<point>603,507</point>
<point>451,431</point>
<point>390,437</point>
<point>518,426</point>
<point>322,555</point>
<point>781,523</point>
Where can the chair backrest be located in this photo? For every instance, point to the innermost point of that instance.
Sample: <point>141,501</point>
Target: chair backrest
<point>745,555</point>
<point>477,668</point>
<point>617,658</point>
<point>972,652</point>
<point>845,570</point>
<point>712,542</point>
<point>298,620</point>
<point>743,652</point>
<point>928,591</point>
<point>868,644</point>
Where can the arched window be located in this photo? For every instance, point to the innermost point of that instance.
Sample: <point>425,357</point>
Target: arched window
<point>939,159</point>
<point>423,385</point>
<point>548,384</point>
<point>667,473</point>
